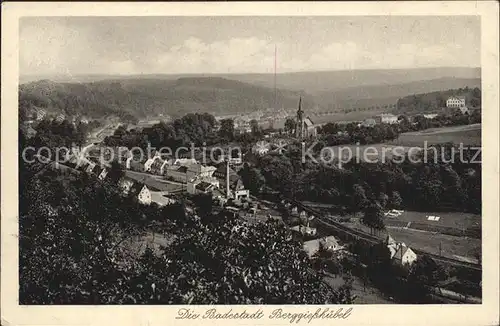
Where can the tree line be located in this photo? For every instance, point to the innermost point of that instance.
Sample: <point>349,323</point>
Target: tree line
<point>437,100</point>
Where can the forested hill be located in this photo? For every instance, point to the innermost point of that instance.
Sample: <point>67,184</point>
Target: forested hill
<point>437,100</point>
<point>143,97</point>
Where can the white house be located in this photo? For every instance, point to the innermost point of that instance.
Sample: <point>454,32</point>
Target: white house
<point>329,243</point>
<point>149,162</point>
<point>400,252</point>
<point>137,189</point>
<point>455,101</point>
<point>368,123</point>
<point>430,115</point>
<point>386,118</point>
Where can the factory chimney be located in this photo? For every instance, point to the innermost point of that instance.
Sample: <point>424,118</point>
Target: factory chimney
<point>227,177</point>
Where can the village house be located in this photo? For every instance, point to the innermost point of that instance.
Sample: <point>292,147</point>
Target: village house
<point>455,101</point>
<point>149,162</point>
<point>329,243</point>
<point>400,252</point>
<point>40,114</point>
<point>162,198</point>
<point>430,116</point>
<point>386,118</point>
<point>368,123</point>
<point>199,187</point>
<point>187,173</point>
<point>60,117</point>
<point>136,189</point>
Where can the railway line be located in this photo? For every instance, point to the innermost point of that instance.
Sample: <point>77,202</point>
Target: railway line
<point>357,234</point>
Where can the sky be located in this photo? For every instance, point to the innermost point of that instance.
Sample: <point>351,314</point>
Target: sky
<point>178,45</point>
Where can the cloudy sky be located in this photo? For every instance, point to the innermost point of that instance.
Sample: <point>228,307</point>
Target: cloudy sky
<point>163,45</point>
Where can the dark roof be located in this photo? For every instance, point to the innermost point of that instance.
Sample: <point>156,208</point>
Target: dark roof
<point>311,123</point>
<point>136,188</point>
<point>83,167</point>
<point>203,186</point>
<point>98,170</point>
<point>157,163</point>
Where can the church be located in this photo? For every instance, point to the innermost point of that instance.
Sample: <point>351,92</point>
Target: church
<point>304,126</point>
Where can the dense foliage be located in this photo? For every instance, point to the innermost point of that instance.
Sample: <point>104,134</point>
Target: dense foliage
<point>77,240</point>
<point>440,186</point>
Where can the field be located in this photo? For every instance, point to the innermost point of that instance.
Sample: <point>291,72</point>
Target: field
<point>455,247</point>
<point>455,220</point>
<point>468,135</point>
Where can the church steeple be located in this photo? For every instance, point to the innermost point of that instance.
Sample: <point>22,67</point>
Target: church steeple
<point>300,120</point>
<point>299,111</point>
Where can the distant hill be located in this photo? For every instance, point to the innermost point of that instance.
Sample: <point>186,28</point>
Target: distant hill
<point>308,81</point>
<point>146,97</point>
<point>380,95</point>
<point>325,91</point>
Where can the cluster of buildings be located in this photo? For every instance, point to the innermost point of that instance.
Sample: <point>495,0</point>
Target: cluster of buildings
<point>387,118</point>
<point>221,180</point>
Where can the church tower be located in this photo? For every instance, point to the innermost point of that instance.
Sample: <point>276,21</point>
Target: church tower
<point>300,121</point>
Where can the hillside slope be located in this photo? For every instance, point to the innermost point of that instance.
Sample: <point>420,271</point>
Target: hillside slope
<point>147,97</point>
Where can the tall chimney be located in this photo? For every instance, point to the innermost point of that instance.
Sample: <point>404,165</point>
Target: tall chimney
<point>227,178</point>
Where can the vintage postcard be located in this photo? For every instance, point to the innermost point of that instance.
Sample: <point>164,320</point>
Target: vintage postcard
<point>250,163</point>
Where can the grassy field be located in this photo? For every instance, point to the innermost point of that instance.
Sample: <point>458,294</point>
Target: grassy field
<point>453,219</point>
<point>451,246</point>
<point>468,135</point>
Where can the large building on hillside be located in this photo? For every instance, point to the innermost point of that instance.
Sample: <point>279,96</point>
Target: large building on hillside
<point>455,101</point>
<point>386,118</point>
<point>304,128</point>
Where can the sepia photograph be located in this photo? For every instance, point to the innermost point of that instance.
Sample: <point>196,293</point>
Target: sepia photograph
<point>207,160</point>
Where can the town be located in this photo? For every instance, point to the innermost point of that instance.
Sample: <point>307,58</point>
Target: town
<point>250,161</point>
<point>229,182</point>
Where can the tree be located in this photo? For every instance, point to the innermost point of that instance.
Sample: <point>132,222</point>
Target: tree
<point>78,241</point>
<point>373,217</point>
<point>254,125</point>
<point>395,200</point>
<point>252,178</point>
<point>290,125</point>
<point>115,172</point>
<point>424,274</point>
<point>226,130</point>
<point>358,200</point>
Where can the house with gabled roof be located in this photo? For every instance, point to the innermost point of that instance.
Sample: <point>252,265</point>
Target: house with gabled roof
<point>136,189</point>
<point>400,252</point>
<point>329,243</point>
<point>404,255</point>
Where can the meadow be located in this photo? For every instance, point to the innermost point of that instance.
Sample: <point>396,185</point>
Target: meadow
<point>467,135</point>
